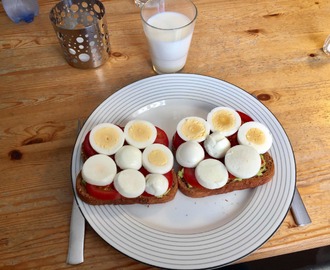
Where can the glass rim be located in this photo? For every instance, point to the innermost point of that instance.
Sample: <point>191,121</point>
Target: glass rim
<point>174,28</point>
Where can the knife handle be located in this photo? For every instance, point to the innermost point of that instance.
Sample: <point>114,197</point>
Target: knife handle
<point>77,236</point>
<point>299,211</point>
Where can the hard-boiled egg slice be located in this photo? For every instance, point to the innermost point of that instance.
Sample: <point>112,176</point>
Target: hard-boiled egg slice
<point>216,145</point>
<point>140,133</point>
<point>256,135</point>
<point>156,184</point>
<point>243,161</point>
<point>99,170</point>
<point>193,129</point>
<point>130,183</point>
<point>129,157</point>
<point>211,173</point>
<point>189,154</point>
<point>224,119</point>
<point>106,138</point>
<point>157,158</point>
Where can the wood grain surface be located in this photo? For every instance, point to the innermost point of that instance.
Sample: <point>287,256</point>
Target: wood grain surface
<point>272,49</point>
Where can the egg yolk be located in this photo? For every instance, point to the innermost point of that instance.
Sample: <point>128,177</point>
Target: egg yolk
<point>255,136</point>
<point>106,137</point>
<point>223,120</point>
<point>140,132</point>
<point>157,158</point>
<point>193,129</point>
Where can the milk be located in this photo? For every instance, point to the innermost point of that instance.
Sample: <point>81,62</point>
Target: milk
<point>169,35</point>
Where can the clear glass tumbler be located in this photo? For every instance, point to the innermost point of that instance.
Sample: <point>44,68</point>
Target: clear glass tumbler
<point>168,26</point>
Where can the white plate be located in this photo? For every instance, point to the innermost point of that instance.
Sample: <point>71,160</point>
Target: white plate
<point>191,233</point>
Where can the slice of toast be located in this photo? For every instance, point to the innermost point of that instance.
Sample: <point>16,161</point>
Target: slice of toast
<point>199,192</point>
<point>84,196</point>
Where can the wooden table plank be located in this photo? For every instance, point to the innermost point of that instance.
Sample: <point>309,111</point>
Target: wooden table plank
<point>272,49</point>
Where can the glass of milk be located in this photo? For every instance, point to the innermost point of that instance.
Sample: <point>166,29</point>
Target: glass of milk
<point>168,26</point>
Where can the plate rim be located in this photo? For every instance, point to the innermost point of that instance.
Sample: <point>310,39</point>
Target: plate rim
<point>183,75</point>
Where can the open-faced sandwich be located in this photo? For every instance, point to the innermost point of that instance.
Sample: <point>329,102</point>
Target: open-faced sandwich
<point>126,165</point>
<point>227,151</point>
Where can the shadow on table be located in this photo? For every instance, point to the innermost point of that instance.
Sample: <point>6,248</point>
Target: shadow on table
<point>314,259</point>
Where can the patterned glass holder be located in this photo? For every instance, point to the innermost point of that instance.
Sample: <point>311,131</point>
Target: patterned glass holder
<point>82,32</point>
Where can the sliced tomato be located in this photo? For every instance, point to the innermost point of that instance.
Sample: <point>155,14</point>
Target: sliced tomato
<point>87,148</point>
<point>169,177</point>
<point>103,193</point>
<point>144,171</point>
<point>189,176</point>
<point>233,139</point>
<point>177,141</point>
<point>244,117</point>
<point>162,137</point>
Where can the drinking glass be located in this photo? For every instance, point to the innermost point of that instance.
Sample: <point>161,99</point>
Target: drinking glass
<point>168,26</point>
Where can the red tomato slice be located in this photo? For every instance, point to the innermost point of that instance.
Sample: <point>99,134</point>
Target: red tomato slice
<point>162,137</point>
<point>103,193</point>
<point>177,141</point>
<point>144,171</point>
<point>189,176</point>
<point>245,118</point>
<point>169,177</point>
<point>87,148</point>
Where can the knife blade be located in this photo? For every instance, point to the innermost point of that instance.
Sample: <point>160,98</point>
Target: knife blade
<point>299,211</point>
<point>77,231</point>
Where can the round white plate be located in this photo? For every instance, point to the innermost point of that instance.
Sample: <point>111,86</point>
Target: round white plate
<point>190,233</point>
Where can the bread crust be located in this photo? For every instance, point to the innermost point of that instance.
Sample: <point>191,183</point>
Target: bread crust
<point>84,196</point>
<point>199,192</point>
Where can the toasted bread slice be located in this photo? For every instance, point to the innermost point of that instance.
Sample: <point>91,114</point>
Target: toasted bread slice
<point>84,196</point>
<point>199,192</point>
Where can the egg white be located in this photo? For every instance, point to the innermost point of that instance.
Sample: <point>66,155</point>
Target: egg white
<point>157,158</point>
<point>106,138</point>
<point>193,128</point>
<point>227,115</point>
<point>130,183</point>
<point>99,170</point>
<point>243,161</point>
<point>189,154</point>
<point>216,145</point>
<point>156,184</point>
<point>211,173</point>
<point>140,133</point>
<point>129,157</point>
<point>261,131</point>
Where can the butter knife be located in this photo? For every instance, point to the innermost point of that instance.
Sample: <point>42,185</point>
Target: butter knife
<point>77,232</point>
<point>77,236</point>
<point>299,211</point>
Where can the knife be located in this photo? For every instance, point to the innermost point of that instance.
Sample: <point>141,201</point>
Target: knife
<point>77,236</point>
<point>77,232</point>
<point>299,211</point>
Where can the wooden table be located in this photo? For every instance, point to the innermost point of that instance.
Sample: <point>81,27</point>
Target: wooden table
<point>272,49</point>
